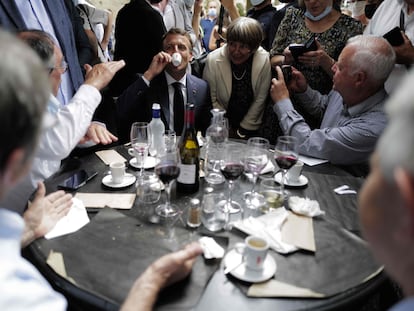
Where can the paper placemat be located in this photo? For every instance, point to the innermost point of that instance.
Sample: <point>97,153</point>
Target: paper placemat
<point>108,156</point>
<point>113,200</point>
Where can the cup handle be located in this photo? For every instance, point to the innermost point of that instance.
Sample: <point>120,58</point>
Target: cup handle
<point>131,152</point>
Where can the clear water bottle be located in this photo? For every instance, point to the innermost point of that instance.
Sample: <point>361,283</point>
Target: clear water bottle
<point>217,135</point>
<point>157,129</point>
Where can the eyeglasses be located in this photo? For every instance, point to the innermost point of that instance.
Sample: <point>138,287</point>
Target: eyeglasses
<point>62,68</point>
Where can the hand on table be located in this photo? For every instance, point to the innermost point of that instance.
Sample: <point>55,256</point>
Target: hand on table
<point>44,212</point>
<point>164,271</point>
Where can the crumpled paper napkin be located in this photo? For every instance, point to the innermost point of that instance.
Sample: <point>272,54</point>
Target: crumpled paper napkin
<point>268,227</point>
<point>211,248</point>
<point>305,206</point>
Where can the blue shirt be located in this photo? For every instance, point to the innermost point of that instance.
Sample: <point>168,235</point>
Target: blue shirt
<point>346,136</point>
<point>22,287</point>
<point>207,25</point>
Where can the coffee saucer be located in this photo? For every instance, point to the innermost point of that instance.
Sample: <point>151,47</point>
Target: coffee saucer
<point>302,180</point>
<point>248,275</point>
<point>150,162</point>
<point>129,179</point>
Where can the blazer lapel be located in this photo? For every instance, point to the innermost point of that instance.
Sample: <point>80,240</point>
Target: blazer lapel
<point>13,14</point>
<point>191,90</point>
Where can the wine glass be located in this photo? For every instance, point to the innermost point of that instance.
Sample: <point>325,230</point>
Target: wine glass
<point>231,166</point>
<point>286,155</point>
<point>140,141</point>
<point>167,170</point>
<point>255,160</point>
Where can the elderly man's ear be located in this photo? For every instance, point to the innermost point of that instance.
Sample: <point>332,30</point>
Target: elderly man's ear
<point>405,184</point>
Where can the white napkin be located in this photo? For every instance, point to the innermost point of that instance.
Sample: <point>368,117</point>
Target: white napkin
<point>268,227</point>
<point>73,221</point>
<point>268,168</point>
<point>210,248</point>
<point>310,161</point>
<point>305,206</point>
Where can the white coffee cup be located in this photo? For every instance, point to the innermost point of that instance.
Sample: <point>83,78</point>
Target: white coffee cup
<point>255,252</point>
<point>295,171</point>
<point>117,171</point>
<point>176,59</point>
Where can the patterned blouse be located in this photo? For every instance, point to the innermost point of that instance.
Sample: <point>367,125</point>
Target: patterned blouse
<point>293,30</point>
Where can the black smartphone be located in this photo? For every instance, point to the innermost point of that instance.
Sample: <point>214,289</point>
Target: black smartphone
<point>297,49</point>
<point>287,73</point>
<point>394,36</point>
<point>77,180</point>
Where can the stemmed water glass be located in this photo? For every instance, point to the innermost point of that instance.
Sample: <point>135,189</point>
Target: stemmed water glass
<point>167,170</point>
<point>255,160</point>
<point>140,141</point>
<point>286,155</point>
<point>231,166</point>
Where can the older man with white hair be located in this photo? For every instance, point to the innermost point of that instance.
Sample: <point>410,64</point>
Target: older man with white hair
<point>352,113</point>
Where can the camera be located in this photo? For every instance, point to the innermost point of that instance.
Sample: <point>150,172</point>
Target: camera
<point>394,36</point>
<point>298,49</point>
<point>287,73</point>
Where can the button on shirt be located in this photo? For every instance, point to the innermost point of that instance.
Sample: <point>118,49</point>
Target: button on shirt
<point>346,136</point>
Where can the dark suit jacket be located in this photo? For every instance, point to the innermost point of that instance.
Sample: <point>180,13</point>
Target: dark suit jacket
<point>10,18</point>
<point>138,37</point>
<point>135,103</point>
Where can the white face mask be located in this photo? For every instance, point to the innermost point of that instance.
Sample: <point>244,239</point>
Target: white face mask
<point>326,12</point>
<point>256,2</point>
<point>212,12</point>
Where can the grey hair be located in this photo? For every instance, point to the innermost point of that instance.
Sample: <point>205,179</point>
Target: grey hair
<point>42,43</point>
<point>373,55</point>
<point>245,30</point>
<point>24,91</point>
<point>396,146</point>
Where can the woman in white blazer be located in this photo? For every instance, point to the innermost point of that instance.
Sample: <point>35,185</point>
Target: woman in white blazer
<point>239,76</point>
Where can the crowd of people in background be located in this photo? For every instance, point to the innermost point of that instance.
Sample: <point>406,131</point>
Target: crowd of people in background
<point>99,73</point>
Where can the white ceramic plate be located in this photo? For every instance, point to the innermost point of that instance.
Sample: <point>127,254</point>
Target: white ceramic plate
<point>129,179</point>
<point>150,162</point>
<point>248,275</point>
<point>302,180</point>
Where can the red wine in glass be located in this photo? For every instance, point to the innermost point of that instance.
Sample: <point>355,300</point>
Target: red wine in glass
<point>232,171</point>
<point>167,172</point>
<point>286,161</point>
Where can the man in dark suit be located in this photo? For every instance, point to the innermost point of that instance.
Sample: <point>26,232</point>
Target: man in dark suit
<point>53,14</point>
<point>156,85</point>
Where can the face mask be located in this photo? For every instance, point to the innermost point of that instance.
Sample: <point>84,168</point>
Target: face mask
<point>256,2</point>
<point>370,10</point>
<point>320,16</point>
<point>212,12</point>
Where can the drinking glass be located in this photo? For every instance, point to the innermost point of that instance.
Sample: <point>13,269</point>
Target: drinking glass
<point>168,170</point>
<point>170,138</point>
<point>231,166</point>
<point>140,142</point>
<point>255,159</point>
<point>286,155</point>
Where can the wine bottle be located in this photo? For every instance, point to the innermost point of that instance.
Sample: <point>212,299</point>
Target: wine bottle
<point>188,180</point>
<point>157,130</point>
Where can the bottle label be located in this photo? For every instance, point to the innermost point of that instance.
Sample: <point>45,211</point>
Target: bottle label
<point>187,174</point>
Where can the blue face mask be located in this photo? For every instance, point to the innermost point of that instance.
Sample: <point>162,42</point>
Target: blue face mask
<point>327,10</point>
<point>212,12</point>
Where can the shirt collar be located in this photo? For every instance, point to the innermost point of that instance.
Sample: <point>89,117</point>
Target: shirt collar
<point>368,103</point>
<point>171,80</point>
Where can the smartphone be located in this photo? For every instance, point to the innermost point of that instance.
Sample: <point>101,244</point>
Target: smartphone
<point>394,36</point>
<point>287,73</point>
<point>298,49</point>
<point>77,180</point>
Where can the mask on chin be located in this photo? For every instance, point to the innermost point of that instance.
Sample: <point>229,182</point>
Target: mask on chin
<point>325,13</point>
<point>256,2</point>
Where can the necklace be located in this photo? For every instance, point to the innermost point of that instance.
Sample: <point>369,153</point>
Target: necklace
<point>241,77</point>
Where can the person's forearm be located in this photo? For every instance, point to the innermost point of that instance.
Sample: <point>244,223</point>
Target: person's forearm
<point>277,60</point>
<point>142,295</point>
<point>28,236</point>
